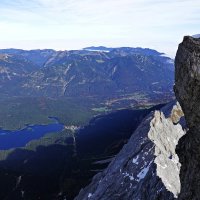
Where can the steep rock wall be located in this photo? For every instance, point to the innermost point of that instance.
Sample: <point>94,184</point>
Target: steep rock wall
<point>187,90</point>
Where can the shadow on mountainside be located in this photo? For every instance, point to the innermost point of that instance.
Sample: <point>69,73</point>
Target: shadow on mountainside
<point>57,171</point>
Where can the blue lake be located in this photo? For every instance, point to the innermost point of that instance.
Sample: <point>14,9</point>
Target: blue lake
<point>19,138</point>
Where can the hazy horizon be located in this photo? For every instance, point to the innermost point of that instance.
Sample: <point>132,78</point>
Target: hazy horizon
<point>75,24</point>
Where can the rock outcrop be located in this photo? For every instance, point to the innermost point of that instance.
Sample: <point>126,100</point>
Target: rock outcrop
<point>147,167</point>
<point>187,90</point>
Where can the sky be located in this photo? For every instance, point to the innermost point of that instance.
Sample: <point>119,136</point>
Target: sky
<point>74,24</point>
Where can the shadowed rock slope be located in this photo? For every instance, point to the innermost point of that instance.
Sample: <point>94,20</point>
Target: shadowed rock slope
<point>187,90</point>
<point>147,167</point>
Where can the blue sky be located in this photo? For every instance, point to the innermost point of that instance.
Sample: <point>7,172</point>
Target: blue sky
<point>73,24</point>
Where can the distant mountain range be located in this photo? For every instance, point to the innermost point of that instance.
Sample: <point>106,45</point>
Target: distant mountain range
<point>196,36</point>
<point>93,71</point>
<point>136,50</point>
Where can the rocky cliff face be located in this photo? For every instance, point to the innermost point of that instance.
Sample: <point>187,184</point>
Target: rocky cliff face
<point>147,167</point>
<point>187,90</point>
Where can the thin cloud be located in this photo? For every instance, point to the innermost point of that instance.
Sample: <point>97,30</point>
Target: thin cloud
<point>156,24</point>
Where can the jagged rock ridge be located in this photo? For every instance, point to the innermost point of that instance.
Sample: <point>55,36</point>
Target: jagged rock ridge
<point>147,167</point>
